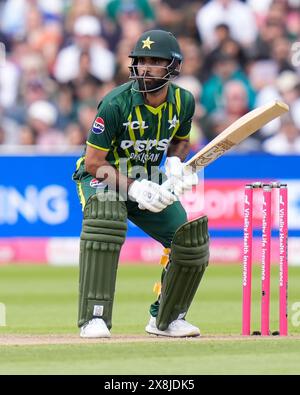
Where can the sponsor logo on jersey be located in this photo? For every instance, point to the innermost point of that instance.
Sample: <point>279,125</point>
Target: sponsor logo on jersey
<point>136,125</point>
<point>145,145</point>
<point>97,184</point>
<point>98,126</point>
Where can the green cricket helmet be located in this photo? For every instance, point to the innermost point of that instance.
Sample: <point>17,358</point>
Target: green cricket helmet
<point>156,44</point>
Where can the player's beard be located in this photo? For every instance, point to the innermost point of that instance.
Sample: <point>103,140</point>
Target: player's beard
<point>151,85</point>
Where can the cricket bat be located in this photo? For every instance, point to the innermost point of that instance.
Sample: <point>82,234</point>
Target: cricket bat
<point>237,132</point>
<point>234,134</point>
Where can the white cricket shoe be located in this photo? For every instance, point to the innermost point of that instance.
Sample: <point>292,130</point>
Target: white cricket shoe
<point>177,328</point>
<point>94,328</point>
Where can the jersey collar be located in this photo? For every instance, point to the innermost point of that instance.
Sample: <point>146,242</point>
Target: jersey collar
<point>138,98</point>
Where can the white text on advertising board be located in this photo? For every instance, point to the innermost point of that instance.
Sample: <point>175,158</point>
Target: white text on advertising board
<point>49,205</point>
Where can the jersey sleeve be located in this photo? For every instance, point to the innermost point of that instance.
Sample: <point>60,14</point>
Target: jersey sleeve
<point>104,127</point>
<point>186,124</point>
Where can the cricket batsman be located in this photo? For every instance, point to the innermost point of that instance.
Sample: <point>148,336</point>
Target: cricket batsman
<point>118,179</point>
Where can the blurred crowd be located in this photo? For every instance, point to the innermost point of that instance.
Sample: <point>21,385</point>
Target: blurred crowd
<point>62,56</point>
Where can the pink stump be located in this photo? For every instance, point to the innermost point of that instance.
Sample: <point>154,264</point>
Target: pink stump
<point>283,260</point>
<point>266,261</point>
<point>247,260</point>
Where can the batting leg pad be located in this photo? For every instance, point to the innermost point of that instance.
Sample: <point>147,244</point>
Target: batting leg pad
<point>189,259</point>
<point>103,233</point>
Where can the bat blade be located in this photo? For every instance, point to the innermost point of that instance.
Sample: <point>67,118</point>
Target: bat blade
<point>237,132</point>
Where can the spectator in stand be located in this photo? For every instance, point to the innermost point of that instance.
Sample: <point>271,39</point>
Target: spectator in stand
<point>86,114</point>
<point>260,9</point>
<point>5,40</point>
<point>16,14</point>
<point>281,54</point>
<point>12,18</point>
<point>222,33</point>
<point>193,57</point>
<point>236,104</point>
<point>85,86</point>
<point>262,73</point>
<point>43,38</point>
<point>270,31</point>
<point>177,16</point>
<point>86,90</point>
<point>232,48</point>
<point>234,13</point>
<point>34,85</point>
<point>105,89</point>
<point>287,84</point>
<point>69,52</point>
<point>225,69</point>
<point>76,9</point>
<point>53,10</point>
<point>123,61</point>
<point>42,117</point>
<point>116,10</point>
<point>66,106</point>
<point>2,135</point>
<point>27,136</point>
<point>285,88</point>
<point>193,85</point>
<point>75,135</point>
<point>9,127</point>
<point>289,88</point>
<point>169,15</point>
<point>87,30</point>
<point>225,44</point>
<point>9,83</point>
<point>287,141</point>
<point>236,101</point>
<point>293,25</point>
<point>132,27</point>
<point>125,23</point>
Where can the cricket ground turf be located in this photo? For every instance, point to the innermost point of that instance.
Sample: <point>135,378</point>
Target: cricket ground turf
<point>41,337</point>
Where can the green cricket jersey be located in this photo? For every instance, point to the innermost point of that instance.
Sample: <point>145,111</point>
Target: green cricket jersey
<point>128,129</point>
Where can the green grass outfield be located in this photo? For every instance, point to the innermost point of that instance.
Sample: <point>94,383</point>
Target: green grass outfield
<point>41,302</point>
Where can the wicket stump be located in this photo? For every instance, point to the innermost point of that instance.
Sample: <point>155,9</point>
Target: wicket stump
<point>267,189</point>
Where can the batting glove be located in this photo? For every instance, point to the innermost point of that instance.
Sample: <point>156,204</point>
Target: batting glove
<point>150,196</point>
<point>181,178</point>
